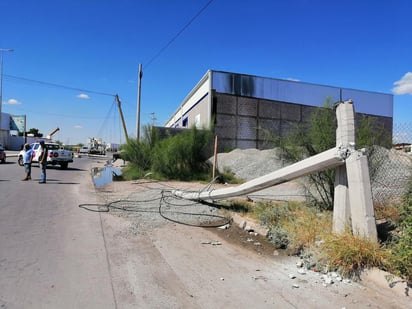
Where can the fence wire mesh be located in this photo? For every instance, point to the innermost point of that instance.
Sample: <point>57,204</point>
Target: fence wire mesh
<point>391,169</point>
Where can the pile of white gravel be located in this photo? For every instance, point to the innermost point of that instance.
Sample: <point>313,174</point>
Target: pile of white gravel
<point>248,164</point>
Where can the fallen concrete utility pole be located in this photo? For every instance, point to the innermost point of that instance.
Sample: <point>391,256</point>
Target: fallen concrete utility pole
<point>353,205</point>
<point>327,159</point>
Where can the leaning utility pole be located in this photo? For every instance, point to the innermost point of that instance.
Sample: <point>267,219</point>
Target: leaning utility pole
<point>121,117</point>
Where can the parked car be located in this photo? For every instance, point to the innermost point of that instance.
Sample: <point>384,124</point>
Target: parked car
<point>2,154</point>
<point>84,150</point>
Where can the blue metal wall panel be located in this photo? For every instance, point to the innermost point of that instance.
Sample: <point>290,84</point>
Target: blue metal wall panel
<point>372,103</point>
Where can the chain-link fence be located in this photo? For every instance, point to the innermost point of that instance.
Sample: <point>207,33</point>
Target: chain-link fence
<point>390,169</point>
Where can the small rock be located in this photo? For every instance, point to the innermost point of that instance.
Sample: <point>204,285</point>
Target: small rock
<point>296,286</point>
<point>292,276</point>
<point>299,263</point>
<point>301,271</point>
<point>213,243</point>
<point>319,243</point>
<point>248,228</point>
<point>242,224</point>
<point>224,227</point>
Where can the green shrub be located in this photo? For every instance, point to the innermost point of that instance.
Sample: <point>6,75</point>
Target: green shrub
<point>139,152</point>
<point>271,214</point>
<point>183,156</point>
<point>132,172</point>
<point>309,139</point>
<point>401,259</point>
<point>279,237</point>
<point>302,225</point>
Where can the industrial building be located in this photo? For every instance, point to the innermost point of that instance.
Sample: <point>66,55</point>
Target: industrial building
<point>11,126</point>
<point>242,108</point>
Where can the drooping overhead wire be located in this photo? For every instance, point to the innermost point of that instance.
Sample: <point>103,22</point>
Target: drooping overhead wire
<point>177,34</point>
<point>57,85</point>
<point>108,128</point>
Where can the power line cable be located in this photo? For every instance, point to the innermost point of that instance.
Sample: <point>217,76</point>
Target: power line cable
<point>147,64</point>
<point>177,35</point>
<point>57,85</point>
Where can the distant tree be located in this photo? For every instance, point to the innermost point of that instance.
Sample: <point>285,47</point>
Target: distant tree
<point>33,131</point>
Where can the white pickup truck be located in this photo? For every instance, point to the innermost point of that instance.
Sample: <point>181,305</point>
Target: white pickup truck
<point>56,155</point>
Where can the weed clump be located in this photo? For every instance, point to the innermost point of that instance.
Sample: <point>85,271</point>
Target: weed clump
<point>292,225</point>
<point>401,257</point>
<point>307,232</point>
<point>349,254</point>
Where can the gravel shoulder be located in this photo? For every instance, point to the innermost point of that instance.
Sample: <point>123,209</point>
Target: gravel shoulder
<point>160,258</point>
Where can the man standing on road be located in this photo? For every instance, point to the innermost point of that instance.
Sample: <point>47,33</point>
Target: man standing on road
<point>43,161</point>
<point>27,158</point>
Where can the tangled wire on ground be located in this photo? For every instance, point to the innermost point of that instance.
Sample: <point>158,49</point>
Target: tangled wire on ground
<point>161,203</point>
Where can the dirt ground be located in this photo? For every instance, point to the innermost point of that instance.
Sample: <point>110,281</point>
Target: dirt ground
<point>249,241</point>
<point>159,263</point>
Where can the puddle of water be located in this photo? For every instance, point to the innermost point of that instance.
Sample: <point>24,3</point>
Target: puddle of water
<point>104,175</point>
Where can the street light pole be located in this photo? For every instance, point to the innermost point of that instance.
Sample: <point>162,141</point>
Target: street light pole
<point>1,85</point>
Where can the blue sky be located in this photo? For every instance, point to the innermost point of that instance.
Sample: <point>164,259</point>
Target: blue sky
<point>97,45</point>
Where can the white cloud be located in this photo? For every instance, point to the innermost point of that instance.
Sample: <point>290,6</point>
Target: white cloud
<point>293,79</point>
<point>404,85</point>
<point>78,127</point>
<point>83,96</point>
<point>12,102</point>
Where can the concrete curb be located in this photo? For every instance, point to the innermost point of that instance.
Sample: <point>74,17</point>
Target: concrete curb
<point>249,225</point>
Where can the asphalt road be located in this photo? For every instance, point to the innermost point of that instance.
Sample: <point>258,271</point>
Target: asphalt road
<point>54,254</point>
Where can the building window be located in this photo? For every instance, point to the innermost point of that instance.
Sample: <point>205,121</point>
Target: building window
<point>197,121</point>
<point>185,122</point>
